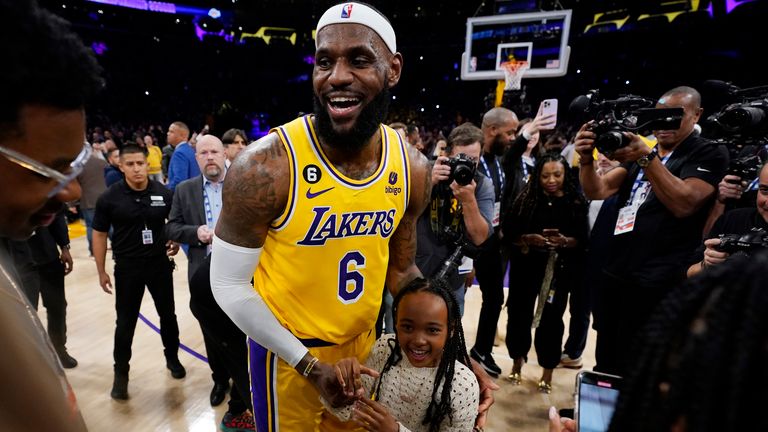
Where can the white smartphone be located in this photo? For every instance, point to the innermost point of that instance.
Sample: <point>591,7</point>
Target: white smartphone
<point>596,396</point>
<point>549,106</point>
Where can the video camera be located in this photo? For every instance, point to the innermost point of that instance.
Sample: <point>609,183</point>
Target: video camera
<point>745,168</point>
<point>749,243</point>
<point>628,113</point>
<point>743,121</point>
<point>462,169</point>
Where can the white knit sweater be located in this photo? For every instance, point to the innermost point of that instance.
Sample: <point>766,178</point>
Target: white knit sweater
<point>407,390</point>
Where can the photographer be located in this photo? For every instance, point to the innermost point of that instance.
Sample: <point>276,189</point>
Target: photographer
<point>735,223</point>
<point>465,211</point>
<point>662,203</point>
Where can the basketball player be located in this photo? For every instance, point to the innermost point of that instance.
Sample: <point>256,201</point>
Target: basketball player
<point>324,208</point>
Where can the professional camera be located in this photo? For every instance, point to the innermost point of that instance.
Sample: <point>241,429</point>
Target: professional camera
<point>462,169</point>
<point>743,121</point>
<point>745,168</point>
<point>463,248</point>
<point>748,243</point>
<point>628,113</point>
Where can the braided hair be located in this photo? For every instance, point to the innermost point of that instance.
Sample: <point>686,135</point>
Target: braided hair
<point>525,205</point>
<point>700,361</point>
<point>455,349</point>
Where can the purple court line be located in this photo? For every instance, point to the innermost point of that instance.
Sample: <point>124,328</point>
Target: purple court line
<point>181,345</point>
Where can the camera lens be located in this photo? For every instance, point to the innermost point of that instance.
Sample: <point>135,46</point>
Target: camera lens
<point>742,117</point>
<point>463,175</point>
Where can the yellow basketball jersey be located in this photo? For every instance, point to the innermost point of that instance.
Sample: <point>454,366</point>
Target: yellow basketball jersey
<point>324,263</point>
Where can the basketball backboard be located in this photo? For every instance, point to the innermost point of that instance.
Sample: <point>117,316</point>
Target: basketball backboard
<point>541,38</point>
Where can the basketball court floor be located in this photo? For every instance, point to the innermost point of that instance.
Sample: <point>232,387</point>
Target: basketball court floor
<point>160,403</point>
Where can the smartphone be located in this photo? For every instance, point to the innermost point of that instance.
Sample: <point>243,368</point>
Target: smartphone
<point>549,106</point>
<point>596,396</point>
<point>550,232</point>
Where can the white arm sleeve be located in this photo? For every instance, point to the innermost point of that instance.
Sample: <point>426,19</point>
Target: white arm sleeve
<point>232,268</point>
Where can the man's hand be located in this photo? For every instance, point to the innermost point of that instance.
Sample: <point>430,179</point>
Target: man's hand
<point>469,280</point>
<point>171,248</point>
<point>584,144</point>
<point>487,387</point>
<point>105,283</point>
<point>66,258</point>
<point>348,372</point>
<point>323,377</point>
<point>636,149</point>
<point>464,193</point>
<point>557,424</point>
<point>441,170</point>
<point>712,256</point>
<point>730,186</point>
<point>373,416</point>
<point>204,234</point>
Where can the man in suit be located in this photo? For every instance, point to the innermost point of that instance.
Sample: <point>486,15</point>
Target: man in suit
<point>195,210</point>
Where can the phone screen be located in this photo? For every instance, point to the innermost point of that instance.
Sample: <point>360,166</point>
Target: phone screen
<point>597,401</point>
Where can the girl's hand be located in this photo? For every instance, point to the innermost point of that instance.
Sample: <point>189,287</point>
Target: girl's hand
<point>348,372</point>
<point>373,416</point>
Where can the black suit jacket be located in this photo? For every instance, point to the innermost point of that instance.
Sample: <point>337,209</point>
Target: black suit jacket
<point>187,214</point>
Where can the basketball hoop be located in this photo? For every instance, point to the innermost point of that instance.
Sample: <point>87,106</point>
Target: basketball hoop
<point>513,73</point>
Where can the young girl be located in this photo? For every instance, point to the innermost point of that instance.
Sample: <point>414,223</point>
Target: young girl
<point>545,231</point>
<point>424,381</point>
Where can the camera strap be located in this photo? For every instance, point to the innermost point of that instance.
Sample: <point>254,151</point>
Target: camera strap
<point>444,212</point>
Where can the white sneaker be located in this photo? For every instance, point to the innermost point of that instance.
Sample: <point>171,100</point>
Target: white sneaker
<point>568,362</point>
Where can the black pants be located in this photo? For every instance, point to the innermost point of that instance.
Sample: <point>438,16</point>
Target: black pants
<point>489,267</point>
<point>580,307</point>
<point>227,342</point>
<point>622,309</point>
<point>131,276</point>
<point>521,305</point>
<point>47,281</point>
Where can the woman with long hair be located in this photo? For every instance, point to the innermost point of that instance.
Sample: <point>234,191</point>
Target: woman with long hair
<point>545,231</point>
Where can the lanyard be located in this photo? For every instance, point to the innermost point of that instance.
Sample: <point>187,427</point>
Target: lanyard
<point>526,172</point>
<point>502,178</point>
<point>639,180</point>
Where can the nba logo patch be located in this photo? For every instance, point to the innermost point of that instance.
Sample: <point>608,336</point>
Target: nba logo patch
<point>392,178</point>
<point>346,11</point>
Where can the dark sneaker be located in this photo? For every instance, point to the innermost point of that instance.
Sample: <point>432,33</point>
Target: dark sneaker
<point>67,360</point>
<point>487,362</point>
<point>120,387</point>
<point>238,423</point>
<point>177,370</point>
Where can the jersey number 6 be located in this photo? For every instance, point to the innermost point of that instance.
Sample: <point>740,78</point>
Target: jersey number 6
<point>350,279</point>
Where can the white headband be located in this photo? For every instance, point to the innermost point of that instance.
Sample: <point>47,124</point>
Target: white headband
<point>357,13</point>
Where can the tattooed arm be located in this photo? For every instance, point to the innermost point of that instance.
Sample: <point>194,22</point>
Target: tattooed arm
<point>255,193</point>
<point>402,246</point>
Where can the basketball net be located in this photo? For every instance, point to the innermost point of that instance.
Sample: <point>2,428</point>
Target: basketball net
<point>513,73</point>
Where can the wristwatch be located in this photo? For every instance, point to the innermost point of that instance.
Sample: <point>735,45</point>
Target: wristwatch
<point>66,246</point>
<point>646,160</point>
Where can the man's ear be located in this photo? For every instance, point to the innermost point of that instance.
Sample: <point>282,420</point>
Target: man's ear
<point>395,69</point>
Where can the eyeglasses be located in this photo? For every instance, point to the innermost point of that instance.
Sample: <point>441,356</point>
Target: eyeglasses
<point>62,179</point>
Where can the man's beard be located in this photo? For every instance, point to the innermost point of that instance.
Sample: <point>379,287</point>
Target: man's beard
<point>498,146</point>
<point>365,126</point>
